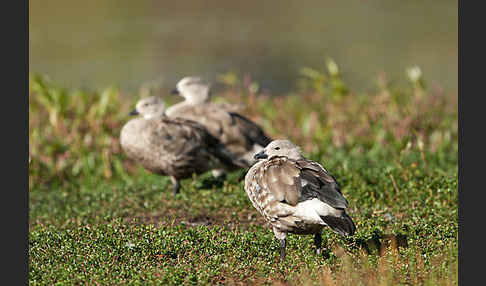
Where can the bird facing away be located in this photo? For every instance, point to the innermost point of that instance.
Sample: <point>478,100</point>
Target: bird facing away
<point>296,195</point>
<point>175,147</point>
<point>239,134</point>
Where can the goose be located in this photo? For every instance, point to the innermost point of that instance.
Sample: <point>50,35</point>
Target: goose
<point>238,133</point>
<point>196,91</point>
<point>173,147</point>
<point>296,195</point>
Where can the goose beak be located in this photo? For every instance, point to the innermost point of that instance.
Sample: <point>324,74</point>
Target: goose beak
<point>260,155</point>
<point>134,112</point>
<point>174,91</point>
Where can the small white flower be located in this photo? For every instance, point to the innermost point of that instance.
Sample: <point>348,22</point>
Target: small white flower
<point>332,67</point>
<point>414,73</point>
<point>420,144</point>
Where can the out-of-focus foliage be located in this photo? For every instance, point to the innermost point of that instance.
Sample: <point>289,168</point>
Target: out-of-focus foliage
<point>73,133</point>
<point>327,82</point>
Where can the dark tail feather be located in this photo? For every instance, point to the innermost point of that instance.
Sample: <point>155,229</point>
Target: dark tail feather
<point>253,132</point>
<point>228,159</point>
<point>343,225</point>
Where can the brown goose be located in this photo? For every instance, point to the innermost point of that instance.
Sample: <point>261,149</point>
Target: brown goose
<point>239,134</point>
<point>175,147</point>
<point>296,195</point>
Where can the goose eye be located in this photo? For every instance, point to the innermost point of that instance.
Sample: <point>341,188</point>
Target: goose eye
<point>277,148</point>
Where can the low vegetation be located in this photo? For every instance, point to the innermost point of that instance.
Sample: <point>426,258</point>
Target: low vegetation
<point>97,218</point>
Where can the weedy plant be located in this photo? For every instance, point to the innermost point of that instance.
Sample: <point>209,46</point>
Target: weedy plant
<point>327,82</point>
<point>97,218</point>
<point>73,133</point>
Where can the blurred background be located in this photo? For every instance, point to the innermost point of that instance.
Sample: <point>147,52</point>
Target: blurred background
<point>92,44</point>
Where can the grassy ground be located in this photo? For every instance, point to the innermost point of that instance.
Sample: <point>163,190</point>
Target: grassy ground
<point>96,218</point>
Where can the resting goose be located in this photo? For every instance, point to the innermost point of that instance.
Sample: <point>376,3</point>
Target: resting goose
<point>196,91</point>
<point>175,147</point>
<point>296,195</point>
<point>239,134</point>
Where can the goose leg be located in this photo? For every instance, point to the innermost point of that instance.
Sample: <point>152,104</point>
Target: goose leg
<point>281,236</point>
<point>318,242</point>
<point>283,243</point>
<point>176,184</point>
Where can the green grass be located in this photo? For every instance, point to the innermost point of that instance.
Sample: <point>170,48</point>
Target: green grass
<point>97,218</point>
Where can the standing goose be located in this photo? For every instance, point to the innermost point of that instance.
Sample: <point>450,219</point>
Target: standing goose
<point>175,147</point>
<point>239,134</point>
<point>296,195</point>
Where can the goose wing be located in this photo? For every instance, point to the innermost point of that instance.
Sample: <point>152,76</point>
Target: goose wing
<point>189,137</point>
<point>230,127</point>
<point>175,136</point>
<point>292,182</point>
<point>318,183</point>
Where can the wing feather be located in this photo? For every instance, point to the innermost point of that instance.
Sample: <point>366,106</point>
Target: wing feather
<point>253,133</point>
<point>292,182</point>
<point>281,179</point>
<point>320,184</point>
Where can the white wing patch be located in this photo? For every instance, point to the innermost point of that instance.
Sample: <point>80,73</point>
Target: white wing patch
<point>311,211</point>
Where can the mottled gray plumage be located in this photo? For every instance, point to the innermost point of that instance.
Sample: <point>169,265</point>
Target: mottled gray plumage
<point>296,195</point>
<point>239,134</point>
<point>175,147</point>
